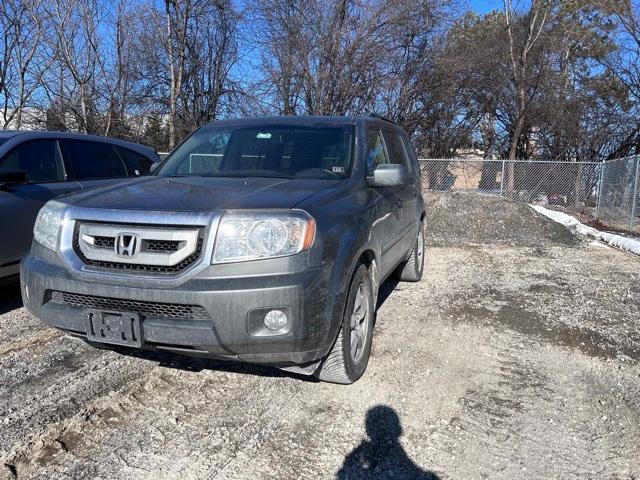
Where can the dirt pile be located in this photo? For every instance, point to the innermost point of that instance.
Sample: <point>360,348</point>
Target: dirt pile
<point>465,218</point>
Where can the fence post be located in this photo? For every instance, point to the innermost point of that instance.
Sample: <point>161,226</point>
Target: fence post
<point>600,188</point>
<point>634,199</point>
<point>502,179</point>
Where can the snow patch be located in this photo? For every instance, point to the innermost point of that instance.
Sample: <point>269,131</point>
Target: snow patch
<point>625,243</point>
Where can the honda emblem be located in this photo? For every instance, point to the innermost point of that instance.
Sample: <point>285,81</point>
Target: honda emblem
<point>127,244</point>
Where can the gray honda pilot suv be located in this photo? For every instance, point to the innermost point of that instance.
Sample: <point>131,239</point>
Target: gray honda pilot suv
<point>261,240</point>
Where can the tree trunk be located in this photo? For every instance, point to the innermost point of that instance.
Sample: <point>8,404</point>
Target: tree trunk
<point>83,109</point>
<point>515,138</point>
<point>172,86</point>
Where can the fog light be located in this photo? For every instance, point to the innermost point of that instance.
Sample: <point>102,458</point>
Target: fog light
<point>275,320</point>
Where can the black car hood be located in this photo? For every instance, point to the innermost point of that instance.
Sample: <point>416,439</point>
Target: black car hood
<point>199,193</point>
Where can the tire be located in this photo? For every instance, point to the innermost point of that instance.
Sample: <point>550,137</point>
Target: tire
<point>411,270</point>
<point>347,362</point>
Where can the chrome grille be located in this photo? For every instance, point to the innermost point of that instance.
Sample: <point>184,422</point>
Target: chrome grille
<point>147,245</point>
<point>160,246</point>
<point>177,251</point>
<point>149,309</point>
<point>105,242</point>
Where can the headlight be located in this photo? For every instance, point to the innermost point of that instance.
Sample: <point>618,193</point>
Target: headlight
<point>48,223</point>
<point>250,235</point>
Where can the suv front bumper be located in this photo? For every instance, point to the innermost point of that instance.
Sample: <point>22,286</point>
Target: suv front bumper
<point>233,302</point>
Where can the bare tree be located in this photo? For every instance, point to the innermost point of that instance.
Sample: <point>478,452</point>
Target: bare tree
<point>177,16</point>
<point>212,52</point>
<point>20,76</point>
<point>625,65</point>
<point>187,52</point>
<point>524,77</point>
<point>278,28</point>
<point>116,71</point>
<point>323,58</point>
<point>76,46</point>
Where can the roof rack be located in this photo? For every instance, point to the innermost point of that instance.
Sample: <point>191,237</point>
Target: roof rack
<point>381,117</point>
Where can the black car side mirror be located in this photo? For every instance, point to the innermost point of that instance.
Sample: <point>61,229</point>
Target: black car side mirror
<point>12,177</point>
<point>154,166</point>
<point>389,175</point>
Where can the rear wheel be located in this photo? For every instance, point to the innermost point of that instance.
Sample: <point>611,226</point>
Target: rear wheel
<point>349,356</point>
<point>411,270</point>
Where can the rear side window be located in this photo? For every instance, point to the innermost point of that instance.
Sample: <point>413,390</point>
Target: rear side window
<point>376,151</point>
<point>397,150</point>
<point>88,160</point>
<point>136,164</point>
<point>39,158</point>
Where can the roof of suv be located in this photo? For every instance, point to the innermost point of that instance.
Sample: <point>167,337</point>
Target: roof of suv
<point>308,120</point>
<point>10,133</point>
<point>41,134</point>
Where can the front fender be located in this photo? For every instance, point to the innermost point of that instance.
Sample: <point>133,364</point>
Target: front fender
<point>344,244</point>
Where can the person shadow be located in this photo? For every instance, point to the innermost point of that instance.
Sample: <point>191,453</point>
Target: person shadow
<point>382,456</point>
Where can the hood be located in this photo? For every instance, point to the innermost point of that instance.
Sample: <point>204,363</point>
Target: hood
<point>199,193</point>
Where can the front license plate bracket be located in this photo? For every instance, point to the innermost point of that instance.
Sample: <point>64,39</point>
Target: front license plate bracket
<point>116,328</point>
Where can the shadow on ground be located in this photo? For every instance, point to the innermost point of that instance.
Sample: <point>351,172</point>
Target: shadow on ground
<point>10,298</point>
<point>382,455</point>
<point>188,363</point>
<point>386,289</point>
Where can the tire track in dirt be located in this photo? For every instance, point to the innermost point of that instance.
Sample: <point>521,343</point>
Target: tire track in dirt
<point>167,416</point>
<point>30,342</point>
<point>52,381</point>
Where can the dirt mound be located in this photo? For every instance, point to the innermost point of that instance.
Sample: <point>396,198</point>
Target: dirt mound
<point>459,218</point>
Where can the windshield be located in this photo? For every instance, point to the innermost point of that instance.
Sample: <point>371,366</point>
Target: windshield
<point>284,151</point>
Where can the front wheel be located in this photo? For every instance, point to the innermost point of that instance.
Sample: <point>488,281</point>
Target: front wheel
<point>411,270</point>
<point>349,356</point>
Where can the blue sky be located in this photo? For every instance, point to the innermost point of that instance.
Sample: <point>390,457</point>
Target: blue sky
<point>484,6</point>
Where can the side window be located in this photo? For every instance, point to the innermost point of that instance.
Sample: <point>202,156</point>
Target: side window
<point>376,150</point>
<point>397,150</point>
<point>136,164</point>
<point>39,158</point>
<point>87,160</point>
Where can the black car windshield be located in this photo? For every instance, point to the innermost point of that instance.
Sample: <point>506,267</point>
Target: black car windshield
<point>283,151</point>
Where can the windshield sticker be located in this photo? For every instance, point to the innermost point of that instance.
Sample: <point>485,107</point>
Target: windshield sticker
<point>337,169</point>
<point>263,135</point>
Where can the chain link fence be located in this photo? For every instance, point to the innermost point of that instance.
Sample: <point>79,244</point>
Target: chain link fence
<point>604,191</point>
<point>619,199</point>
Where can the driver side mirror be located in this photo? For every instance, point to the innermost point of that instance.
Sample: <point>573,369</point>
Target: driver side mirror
<point>154,166</point>
<point>389,175</point>
<point>12,177</point>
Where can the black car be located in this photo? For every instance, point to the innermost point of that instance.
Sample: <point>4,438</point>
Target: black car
<point>261,240</point>
<point>38,166</point>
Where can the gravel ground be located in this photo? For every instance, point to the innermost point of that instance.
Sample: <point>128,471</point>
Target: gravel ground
<point>515,357</point>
